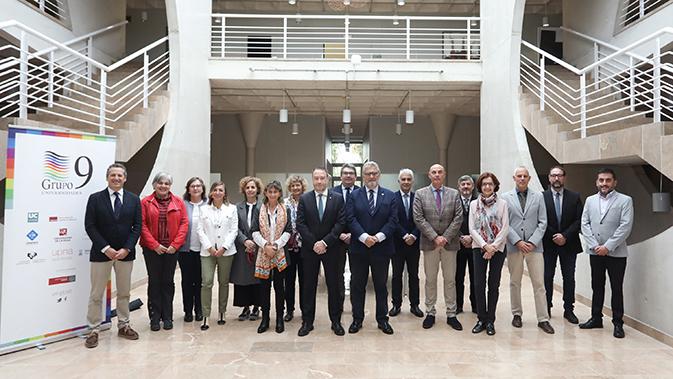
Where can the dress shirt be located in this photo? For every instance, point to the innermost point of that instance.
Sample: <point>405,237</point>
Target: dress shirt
<point>111,193</point>
<point>605,202</point>
<point>344,191</point>
<point>324,203</point>
<point>407,210</point>
<point>249,213</point>
<point>380,236</point>
<point>281,240</point>
<point>553,196</point>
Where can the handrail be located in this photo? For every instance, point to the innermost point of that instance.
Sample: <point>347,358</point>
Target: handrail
<point>341,17</point>
<point>82,37</point>
<point>603,43</point>
<point>551,57</point>
<point>137,54</point>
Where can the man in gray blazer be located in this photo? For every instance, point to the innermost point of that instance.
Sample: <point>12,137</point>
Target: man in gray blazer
<point>527,224</point>
<point>438,215</point>
<point>607,220</point>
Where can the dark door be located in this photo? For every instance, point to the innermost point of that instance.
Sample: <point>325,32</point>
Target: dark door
<point>549,44</point>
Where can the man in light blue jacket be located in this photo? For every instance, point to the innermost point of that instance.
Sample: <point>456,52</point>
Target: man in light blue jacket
<point>607,220</point>
<point>527,224</point>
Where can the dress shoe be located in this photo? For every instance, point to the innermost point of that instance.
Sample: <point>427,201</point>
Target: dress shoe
<point>338,329</point>
<point>128,333</point>
<point>454,323</point>
<point>593,323</point>
<point>394,311</point>
<point>168,324</point>
<point>155,326</point>
<point>91,340</point>
<point>619,331</point>
<point>516,321</point>
<point>199,316</point>
<point>221,321</point>
<point>205,326</point>
<point>305,329</point>
<point>280,324</point>
<point>490,328</point>
<point>264,325</point>
<point>570,316</point>
<point>254,315</point>
<point>386,328</point>
<point>189,317</point>
<point>428,322</point>
<point>546,327</point>
<point>416,311</point>
<point>245,314</point>
<point>289,316</point>
<point>355,327</point>
<point>459,310</point>
<point>479,327</point>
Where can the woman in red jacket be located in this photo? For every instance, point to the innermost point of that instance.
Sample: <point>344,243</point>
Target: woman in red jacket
<point>165,226</point>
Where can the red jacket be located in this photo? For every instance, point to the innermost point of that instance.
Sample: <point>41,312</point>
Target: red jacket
<point>176,217</point>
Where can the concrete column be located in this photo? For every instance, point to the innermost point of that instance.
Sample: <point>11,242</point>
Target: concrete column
<point>503,139</point>
<point>251,124</point>
<point>443,123</point>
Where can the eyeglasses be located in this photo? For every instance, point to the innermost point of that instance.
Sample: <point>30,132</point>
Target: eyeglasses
<point>487,184</point>
<point>556,175</point>
<point>371,173</point>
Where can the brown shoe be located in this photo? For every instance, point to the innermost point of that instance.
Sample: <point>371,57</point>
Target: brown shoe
<point>91,340</point>
<point>128,333</point>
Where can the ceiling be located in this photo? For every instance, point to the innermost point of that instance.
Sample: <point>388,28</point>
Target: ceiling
<point>328,98</point>
<point>412,7</point>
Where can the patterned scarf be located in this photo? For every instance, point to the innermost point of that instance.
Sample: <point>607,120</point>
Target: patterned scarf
<point>163,237</point>
<point>294,244</point>
<point>486,221</point>
<point>264,264</point>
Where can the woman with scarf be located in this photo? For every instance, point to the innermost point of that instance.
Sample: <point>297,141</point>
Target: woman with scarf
<point>296,186</point>
<point>274,230</point>
<point>488,224</point>
<point>164,230</point>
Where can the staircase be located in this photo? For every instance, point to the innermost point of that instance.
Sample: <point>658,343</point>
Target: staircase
<point>610,113</point>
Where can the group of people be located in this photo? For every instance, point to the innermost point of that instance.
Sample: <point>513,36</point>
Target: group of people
<point>257,245</point>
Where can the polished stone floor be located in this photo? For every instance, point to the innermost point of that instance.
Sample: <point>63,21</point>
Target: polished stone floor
<point>235,350</point>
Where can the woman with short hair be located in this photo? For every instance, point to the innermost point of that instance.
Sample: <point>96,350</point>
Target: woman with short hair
<point>296,186</point>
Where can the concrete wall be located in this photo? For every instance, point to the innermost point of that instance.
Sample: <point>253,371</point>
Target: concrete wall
<point>141,33</point>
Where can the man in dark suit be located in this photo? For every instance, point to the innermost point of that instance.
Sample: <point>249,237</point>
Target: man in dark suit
<point>407,250</point>
<point>561,239</point>
<point>320,220</point>
<point>113,220</point>
<point>372,216</point>
<point>464,258</point>
<point>345,189</point>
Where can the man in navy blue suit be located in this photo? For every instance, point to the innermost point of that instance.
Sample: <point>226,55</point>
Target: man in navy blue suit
<point>372,217</point>
<point>113,220</point>
<point>345,189</point>
<point>407,249</point>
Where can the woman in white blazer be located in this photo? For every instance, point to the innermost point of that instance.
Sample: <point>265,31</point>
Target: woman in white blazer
<point>217,229</point>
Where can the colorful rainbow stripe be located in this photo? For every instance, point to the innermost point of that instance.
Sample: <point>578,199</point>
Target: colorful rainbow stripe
<point>11,146</point>
<point>56,166</point>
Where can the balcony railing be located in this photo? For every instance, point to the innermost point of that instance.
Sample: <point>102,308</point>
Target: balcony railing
<point>334,37</point>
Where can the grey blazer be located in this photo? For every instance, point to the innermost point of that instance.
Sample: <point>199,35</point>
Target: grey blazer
<point>612,229</point>
<point>528,224</point>
<point>432,222</point>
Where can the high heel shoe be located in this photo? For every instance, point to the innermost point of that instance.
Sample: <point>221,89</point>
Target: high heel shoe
<point>264,325</point>
<point>221,320</point>
<point>205,326</point>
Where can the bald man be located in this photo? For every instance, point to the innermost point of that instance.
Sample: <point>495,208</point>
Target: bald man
<point>438,214</point>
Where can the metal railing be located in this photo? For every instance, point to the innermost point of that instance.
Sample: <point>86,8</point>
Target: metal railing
<point>618,86</point>
<point>67,83</point>
<point>57,9</point>
<point>337,37</point>
<point>631,11</point>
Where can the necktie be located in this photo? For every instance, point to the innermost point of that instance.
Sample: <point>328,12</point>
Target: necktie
<point>406,204</point>
<point>438,200</point>
<point>118,206</point>
<point>321,207</point>
<point>557,205</point>
<point>466,205</point>
<point>522,200</point>
<point>348,194</point>
<point>371,202</point>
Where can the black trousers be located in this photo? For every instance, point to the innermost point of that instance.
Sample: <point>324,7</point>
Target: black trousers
<point>333,279</point>
<point>293,270</point>
<point>464,258</point>
<point>567,273</point>
<point>360,265</point>
<point>615,267</point>
<point>190,267</point>
<point>487,303</point>
<point>341,268</point>
<point>278,279</point>
<point>409,257</point>
<point>160,285</point>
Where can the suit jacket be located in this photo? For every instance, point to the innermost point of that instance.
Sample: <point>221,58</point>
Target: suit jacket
<point>406,225</point>
<point>571,215</point>
<point>433,223</point>
<point>383,219</point>
<point>103,229</point>
<point>612,229</point>
<point>243,270</point>
<point>312,229</point>
<point>465,225</point>
<point>526,225</point>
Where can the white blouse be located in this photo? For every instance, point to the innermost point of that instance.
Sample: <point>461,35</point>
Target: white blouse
<point>218,227</point>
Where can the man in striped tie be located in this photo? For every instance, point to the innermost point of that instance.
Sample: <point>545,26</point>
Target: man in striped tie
<point>372,217</point>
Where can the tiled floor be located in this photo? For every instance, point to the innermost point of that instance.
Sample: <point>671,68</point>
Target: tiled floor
<point>235,350</point>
